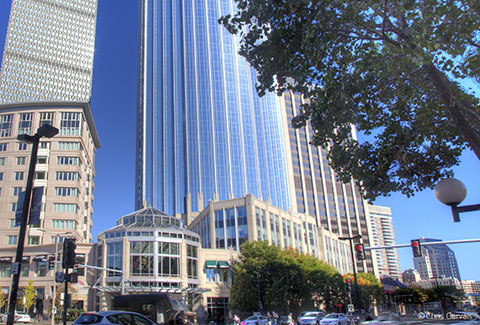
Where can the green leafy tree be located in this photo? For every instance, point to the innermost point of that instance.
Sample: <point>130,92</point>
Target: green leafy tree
<point>29,296</point>
<point>3,299</point>
<point>391,68</point>
<point>282,280</point>
<point>448,296</point>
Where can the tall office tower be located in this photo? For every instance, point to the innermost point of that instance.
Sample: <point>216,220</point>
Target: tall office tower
<point>384,235</point>
<point>315,190</point>
<point>202,132</point>
<point>436,262</point>
<point>48,53</point>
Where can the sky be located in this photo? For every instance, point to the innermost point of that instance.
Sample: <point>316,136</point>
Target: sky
<point>113,106</point>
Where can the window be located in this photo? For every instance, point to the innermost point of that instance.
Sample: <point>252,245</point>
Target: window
<point>12,240</point>
<point>5,266</point>
<point>70,124</point>
<point>114,258</point>
<point>25,123</point>
<point>19,176</point>
<point>41,268</point>
<point>192,262</point>
<point>22,146</point>
<point>6,125</point>
<point>65,207</point>
<point>73,161</point>
<point>1,176</point>
<point>2,161</point>
<point>21,161</point>
<point>46,118</point>
<point>64,224</point>
<point>16,191</point>
<point>33,240</point>
<point>66,191</point>
<point>3,147</point>
<point>67,176</point>
<point>42,160</point>
<point>69,146</point>
<point>40,175</point>
<point>14,207</point>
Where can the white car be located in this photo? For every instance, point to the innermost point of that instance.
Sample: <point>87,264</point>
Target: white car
<point>311,317</point>
<point>18,318</point>
<point>255,319</point>
<point>334,319</point>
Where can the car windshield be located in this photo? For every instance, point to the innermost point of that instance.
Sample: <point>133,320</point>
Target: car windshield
<point>332,316</point>
<point>88,319</point>
<point>312,314</point>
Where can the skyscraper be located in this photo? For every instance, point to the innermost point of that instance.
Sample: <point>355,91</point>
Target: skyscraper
<point>202,131</point>
<point>48,53</point>
<point>383,234</point>
<point>438,261</point>
<point>314,188</point>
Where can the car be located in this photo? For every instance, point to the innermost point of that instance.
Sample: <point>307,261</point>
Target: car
<point>356,316</point>
<point>311,317</point>
<point>113,317</point>
<point>18,318</point>
<point>255,319</point>
<point>283,320</point>
<point>334,319</point>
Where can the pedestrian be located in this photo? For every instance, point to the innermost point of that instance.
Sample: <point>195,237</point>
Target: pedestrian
<point>290,319</point>
<point>275,317</point>
<point>236,320</point>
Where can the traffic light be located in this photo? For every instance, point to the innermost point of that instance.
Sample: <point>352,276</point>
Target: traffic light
<point>360,252</point>
<point>348,283</point>
<point>73,277</point>
<point>68,253</point>
<point>51,262</point>
<point>416,248</point>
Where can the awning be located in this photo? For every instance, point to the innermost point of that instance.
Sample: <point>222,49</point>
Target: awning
<point>40,258</point>
<point>211,264</point>
<point>222,264</point>
<point>5,259</point>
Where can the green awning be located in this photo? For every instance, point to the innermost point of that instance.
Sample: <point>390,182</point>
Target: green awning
<point>222,264</point>
<point>211,264</point>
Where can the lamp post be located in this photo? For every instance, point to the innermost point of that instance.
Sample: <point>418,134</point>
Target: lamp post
<point>452,192</point>
<point>351,239</point>
<point>44,131</point>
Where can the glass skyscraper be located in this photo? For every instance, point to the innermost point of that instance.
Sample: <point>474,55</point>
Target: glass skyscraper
<point>48,53</point>
<point>202,132</point>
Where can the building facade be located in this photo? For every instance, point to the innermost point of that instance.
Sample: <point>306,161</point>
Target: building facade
<point>383,234</point>
<point>315,190</point>
<point>65,168</point>
<point>48,53</point>
<point>203,133</point>
<point>437,261</point>
<point>411,277</point>
<point>152,252</point>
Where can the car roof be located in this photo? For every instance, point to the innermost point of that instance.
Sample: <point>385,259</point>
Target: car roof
<point>109,312</point>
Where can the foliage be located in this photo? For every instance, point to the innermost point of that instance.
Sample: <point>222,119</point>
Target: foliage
<point>389,68</point>
<point>29,296</point>
<point>283,280</point>
<point>447,295</point>
<point>410,295</point>
<point>370,290</point>
<point>3,299</point>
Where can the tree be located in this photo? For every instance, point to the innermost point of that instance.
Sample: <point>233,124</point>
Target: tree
<point>269,278</point>
<point>390,68</point>
<point>3,299</point>
<point>29,296</point>
<point>370,289</point>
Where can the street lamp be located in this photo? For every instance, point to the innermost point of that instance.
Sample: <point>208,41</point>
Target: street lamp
<point>452,192</point>
<point>351,239</point>
<point>47,131</point>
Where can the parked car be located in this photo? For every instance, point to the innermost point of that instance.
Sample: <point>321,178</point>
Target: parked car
<point>311,317</point>
<point>385,318</point>
<point>112,317</point>
<point>334,319</point>
<point>18,318</point>
<point>357,316</point>
<point>255,319</point>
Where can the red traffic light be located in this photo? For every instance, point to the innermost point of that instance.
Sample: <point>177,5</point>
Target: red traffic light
<point>414,243</point>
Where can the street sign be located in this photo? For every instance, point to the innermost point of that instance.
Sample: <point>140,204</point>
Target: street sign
<point>15,268</point>
<point>351,308</point>
<point>54,310</point>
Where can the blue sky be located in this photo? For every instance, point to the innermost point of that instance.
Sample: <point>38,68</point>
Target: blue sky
<point>114,104</point>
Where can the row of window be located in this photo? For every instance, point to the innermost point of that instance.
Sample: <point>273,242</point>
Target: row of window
<point>70,123</point>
